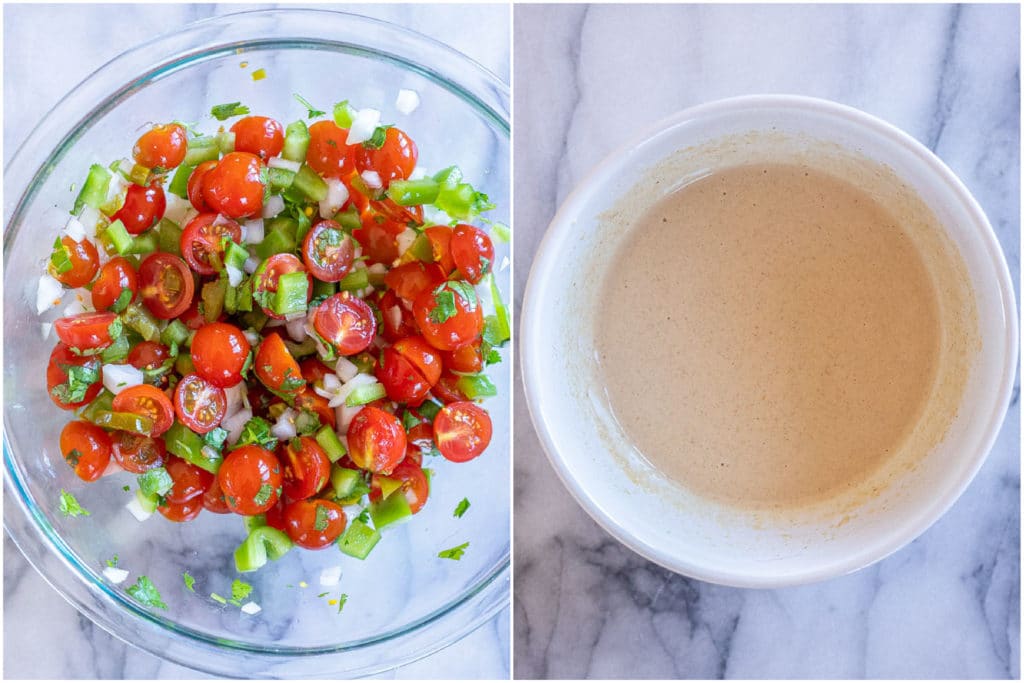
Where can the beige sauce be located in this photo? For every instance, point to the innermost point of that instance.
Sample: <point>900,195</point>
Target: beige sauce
<point>768,335</point>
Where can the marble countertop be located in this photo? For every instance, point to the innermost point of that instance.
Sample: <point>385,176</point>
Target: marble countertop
<point>35,616</point>
<point>947,605</point>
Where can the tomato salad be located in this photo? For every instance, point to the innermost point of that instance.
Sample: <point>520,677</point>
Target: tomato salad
<point>277,322</point>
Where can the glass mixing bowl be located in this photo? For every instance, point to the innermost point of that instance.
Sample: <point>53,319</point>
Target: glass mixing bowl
<point>403,601</point>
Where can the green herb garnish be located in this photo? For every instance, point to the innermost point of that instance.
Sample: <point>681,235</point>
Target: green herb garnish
<point>69,506</point>
<point>461,508</point>
<point>240,590</point>
<point>145,592</point>
<point>455,553</point>
<point>320,524</point>
<point>223,112</point>
<point>263,495</point>
<point>190,582</point>
<point>311,111</point>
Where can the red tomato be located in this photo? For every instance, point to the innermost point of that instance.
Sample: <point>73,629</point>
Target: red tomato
<point>409,280</point>
<point>204,237</point>
<point>446,388</point>
<point>395,160</point>
<point>346,322</point>
<point>143,207</point>
<point>314,523</point>
<point>219,352</point>
<point>116,276</point>
<point>307,399</point>
<point>86,331</point>
<point>267,275</point>
<point>233,187</point>
<point>200,405</point>
<point>444,326</point>
<point>378,240</point>
<point>258,135</point>
<point>307,468</point>
<point>213,499</point>
<point>472,252</point>
<point>314,369</point>
<point>86,448</point>
<point>161,147</point>
<point>414,484</point>
<point>466,359</point>
<point>423,357</point>
<point>462,431</point>
<point>193,317</point>
<point>440,237</point>
<point>397,319</point>
<point>148,401</point>
<point>376,440</point>
<point>195,185</point>
<point>275,515</point>
<point>85,261</point>
<point>189,481</point>
<point>403,382</point>
<point>328,153</point>
<point>250,478</point>
<point>182,512</point>
<point>328,252</point>
<point>148,355</point>
<point>275,366</point>
<point>136,453</point>
<point>61,392</point>
<point>420,439</point>
<point>166,285</point>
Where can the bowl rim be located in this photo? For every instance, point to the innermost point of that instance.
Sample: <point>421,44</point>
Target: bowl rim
<point>171,51</point>
<point>545,263</point>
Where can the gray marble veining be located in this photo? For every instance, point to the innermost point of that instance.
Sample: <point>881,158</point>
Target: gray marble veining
<point>589,77</point>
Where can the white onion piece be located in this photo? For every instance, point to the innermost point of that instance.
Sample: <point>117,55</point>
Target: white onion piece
<point>405,239</point>
<point>377,269</point>
<point>372,179</point>
<point>48,293</point>
<point>337,195</point>
<point>346,369</point>
<point>280,162</point>
<point>74,229</point>
<point>330,576</point>
<point>251,608</point>
<point>273,206</point>
<point>135,507</point>
<point>407,101</point>
<point>505,263</point>
<point>234,275</point>
<point>189,217</point>
<point>251,264</point>
<point>90,218</point>
<point>344,415</point>
<point>275,322</point>
<point>176,207</point>
<point>394,315</point>
<point>117,378</point>
<point>284,428</point>
<point>363,125</point>
<point>112,468</point>
<point>115,575</point>
<point>233,398</point>
<point>118,187</point>
<point>46,328</point>
<point>252,336</point>
<point>254,232</point>
<point>345,389</point>
<point>74,308</point>
<point>236,423</point>
<point>297,328</point>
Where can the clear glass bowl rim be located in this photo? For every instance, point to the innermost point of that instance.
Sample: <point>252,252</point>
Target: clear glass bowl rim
<point>130,70</point>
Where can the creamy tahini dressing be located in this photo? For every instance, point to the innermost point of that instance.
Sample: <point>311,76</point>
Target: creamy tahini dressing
<point>768,335</point>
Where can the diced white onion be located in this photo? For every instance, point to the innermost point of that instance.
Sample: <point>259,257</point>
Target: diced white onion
<point>210,453</point>
<point>117,188</point>
<point>275,322</point>
<point>337,195</point>
<point>346,369</point>
<point>330,576</point>
<point>49,293</point>
<point>394,315</point>
<point>74,308</point>
<point>233,398</point>
<point>280,162</point>
<point>251,264</point>
<point>90,218</point>
<point>372,179</point>
<point>252,336</point>
<point>46,328</point>
<point>251,608</point>
<point>343,416</point>
<point>346,388</point>
<point>74,229</point>
<point>112,468</point>
<point>234,275</point>
<point>405,239</point>
<point>297,328</point>
<point>363,126</point>
<point>188,217</point>
<point>176,208</point>
<point>254,231</point>
<point>236,423</point>
<point>273,206</point>
<point>284,428</point>
<point>115,575</point>
<point>117,378</point>
<point>135,507</point>
<point>505,263</point>
<point>221,219</point>
<point>407,101</point>
<point>377,269</point>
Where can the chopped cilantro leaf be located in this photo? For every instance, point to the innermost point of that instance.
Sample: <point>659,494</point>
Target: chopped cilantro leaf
<point>263,495</point>
<point>257,431</point>
<point>240,590</point>
<point>69,506</point>
<point>461,508</point>
<point>216,437</point>
<point>323,594</point>
<point>378,138</point>
<point>73,457</point>
<point>112,562</point>
<point>155,482</point>
<point>364,515</point>
<point>444,308</point>
<point>223,112</point>
<point>342,599</point>
<point>493,356</point>
<point>123,299</point>
<point>219,598</point>
<point>465,291</point>
<point>190,582</point>
<point>320,524</point>
<point>312,111</point>
<point>80,378</point>
<point>409,420</point>
<point>145,592</point>
<point>455,553</point>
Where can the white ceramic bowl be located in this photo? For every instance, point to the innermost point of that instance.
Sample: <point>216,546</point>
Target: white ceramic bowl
<point>632,500</point>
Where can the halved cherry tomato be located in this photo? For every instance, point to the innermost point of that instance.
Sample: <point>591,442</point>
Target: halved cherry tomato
<point>136,453</point>
<point>61,392</point>
<point>306,467</point>
<point>328,251</point>
<point>85,261</point>
<point>161,147</point>
<point>275,515</point>
<point>148,401</point>
<point>276,367</point>
<point>440,237</point>
<point>219,352</point>
<point>397,319</point>
<point>393,212</point>
<point>315,523</point>
<point>446,388</point>
<point>143,207</point>
<point>200,405</point>
<point>193,318</point>
<point>314,369</point>
<point>403,382</point>
<point>376,440</point>
<point>166,285</point>
<point>148,355</point>
<point>116,276</point>
<point>213,499</point>
<point>307,399</point>
<point>250,478</point>
<point>267,275</point>
<point>379,240</point>
<point>472,252</point>
<point>86,331</point>
<point>462,431</point>
<point>203,238</point>
<point>414,484</point>
<point>233,187</point>
<point>467,359</point>
<point>181,512</point>
<point>395,160</point>
<point>346,322</point>
<point>423,357</point>
<point>328,153</point>
<point>447,327</point>
<point>258,135</point>
<point>86,448</point>
<point>409,280</point>
<point>195,185</point>
<point>189,481</point>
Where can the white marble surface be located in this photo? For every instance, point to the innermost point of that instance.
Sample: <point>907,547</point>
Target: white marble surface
<point>948,605</point>
<point>35,617</point>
